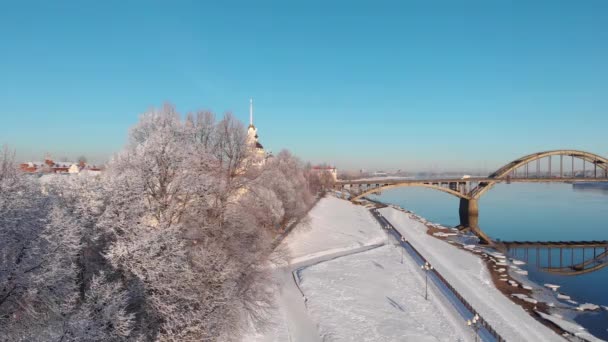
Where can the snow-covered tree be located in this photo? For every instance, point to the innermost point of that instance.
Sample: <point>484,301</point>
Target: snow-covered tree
<point>42,270</point>
<point>202,219</point>
<point>102,315</point>
<point>168,244</point>
<point>284,175</point>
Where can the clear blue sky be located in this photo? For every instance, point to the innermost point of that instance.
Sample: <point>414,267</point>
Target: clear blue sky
<point>375,84</point>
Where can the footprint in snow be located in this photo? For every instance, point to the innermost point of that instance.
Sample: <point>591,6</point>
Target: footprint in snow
<point>377,265</point>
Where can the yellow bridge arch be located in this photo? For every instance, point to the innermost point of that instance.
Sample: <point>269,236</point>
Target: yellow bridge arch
<point>483,184</point>
<point>469,190</point>
<point>507,169</point>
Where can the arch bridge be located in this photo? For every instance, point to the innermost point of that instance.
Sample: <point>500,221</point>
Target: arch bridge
<point>557,166</point>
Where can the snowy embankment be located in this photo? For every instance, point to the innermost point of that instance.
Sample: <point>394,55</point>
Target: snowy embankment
<point>352,286</point>
<point>335,225</point>
<point>372,296</point>
<point>572,328</point>
<point>469,276</point>
<point>335,228</point>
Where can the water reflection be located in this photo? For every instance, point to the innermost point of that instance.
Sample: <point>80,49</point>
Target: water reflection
<point>561,258</point>
<point>601,188</point>
<point>534,212</point>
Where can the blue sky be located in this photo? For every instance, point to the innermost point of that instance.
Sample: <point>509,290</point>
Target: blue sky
<point>414,85</point>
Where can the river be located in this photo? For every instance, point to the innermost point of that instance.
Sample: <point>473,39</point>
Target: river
<point>532,212</point>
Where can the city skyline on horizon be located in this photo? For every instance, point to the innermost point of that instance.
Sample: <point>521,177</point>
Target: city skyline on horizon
<point>417,87</point>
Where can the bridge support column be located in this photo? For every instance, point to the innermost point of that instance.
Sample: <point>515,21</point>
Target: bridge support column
<point>469,218</point>
<point>469,212</point>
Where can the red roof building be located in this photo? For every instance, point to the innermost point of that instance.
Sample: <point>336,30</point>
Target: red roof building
<point>50,166</point>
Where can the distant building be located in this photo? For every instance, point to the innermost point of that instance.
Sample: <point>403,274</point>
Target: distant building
<point>50,166</point>
<point>31,167</point>
<point>333,171</point>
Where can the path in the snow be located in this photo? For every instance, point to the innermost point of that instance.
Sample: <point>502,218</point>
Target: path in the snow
<point>301,327</point>
<point>336,229</point>
<point>345,234</point>
<point>373,296</point>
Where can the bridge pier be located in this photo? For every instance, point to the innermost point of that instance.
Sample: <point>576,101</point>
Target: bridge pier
<point>469,219</point>
<point>469,212</point>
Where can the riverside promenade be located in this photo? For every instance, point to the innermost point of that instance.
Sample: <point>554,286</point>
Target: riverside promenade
<point>470,279</point>
<point>348,277</point>
<point>344,280</point>
<point>466,311</point>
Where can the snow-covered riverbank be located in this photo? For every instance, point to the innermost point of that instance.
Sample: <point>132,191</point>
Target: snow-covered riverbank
<point>541,300</point>
<point>468,273</point>
<point>353,285</point>
<point>372,296</point>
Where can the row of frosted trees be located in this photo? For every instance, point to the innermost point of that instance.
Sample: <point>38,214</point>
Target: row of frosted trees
<point>170,243</point>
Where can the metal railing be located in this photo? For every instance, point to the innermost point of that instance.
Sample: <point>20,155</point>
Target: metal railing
<point>438,275</point>
<point>464,302</point>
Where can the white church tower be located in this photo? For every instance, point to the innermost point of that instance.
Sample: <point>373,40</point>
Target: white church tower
<point>252,133</point>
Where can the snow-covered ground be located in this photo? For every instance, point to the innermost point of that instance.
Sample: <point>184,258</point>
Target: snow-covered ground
<point>570,327</point>
<point>335,225</point>
<point>469,276</point>
<point>353,286</point>
<point>372,296</point>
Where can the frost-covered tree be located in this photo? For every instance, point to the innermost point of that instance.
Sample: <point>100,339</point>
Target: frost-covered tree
<point>23,218</point>
<point>203,213</point>
<point>102,314</point>
<point>42,243</point>
<point>169,243</point>
<point>284,175</point>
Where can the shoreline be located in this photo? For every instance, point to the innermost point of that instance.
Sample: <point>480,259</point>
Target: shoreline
<point>509,279</point>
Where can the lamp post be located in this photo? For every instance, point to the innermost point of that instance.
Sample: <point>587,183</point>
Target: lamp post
<point>402,248</point>
<point>426,267</point>
<point>474,324</point>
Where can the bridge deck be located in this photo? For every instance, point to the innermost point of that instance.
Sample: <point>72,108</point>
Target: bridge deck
<point>470,180</point>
